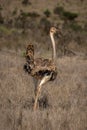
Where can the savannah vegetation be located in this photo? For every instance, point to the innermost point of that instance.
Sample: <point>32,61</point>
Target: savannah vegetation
<point>63,102</point>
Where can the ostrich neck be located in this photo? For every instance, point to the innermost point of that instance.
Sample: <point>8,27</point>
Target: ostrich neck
<point>54,48</point>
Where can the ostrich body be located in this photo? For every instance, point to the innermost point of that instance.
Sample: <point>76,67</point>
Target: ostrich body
<point>41,69</point>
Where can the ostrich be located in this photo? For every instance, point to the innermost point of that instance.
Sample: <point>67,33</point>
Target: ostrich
<point>41,69</point>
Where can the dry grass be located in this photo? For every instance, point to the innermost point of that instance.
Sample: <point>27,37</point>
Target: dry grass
<point>66,108</point>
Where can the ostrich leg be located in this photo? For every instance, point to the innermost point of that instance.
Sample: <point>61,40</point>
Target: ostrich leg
<point>35,81</point>
<point>43,81</point>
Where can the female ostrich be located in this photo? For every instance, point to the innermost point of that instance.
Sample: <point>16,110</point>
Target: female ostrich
<point>41,69</point>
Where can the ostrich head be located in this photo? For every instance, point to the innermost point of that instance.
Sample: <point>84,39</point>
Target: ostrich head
<point>54,30</point>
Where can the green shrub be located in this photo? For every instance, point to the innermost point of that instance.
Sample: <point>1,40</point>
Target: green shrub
<point>58,10</point>
<point>33,14</point>
<point>29,14</point>
<point>85,26</point>
<point>26,2</point>
<point>24,14</point>
<point>70,15</point>
<point>14,11</point>
<point>66,15</point>
<point>47,13</point>
<point>1,18</point>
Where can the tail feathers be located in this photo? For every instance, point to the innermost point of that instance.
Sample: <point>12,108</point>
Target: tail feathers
<point>29,59</point>
<point>27,68</point>
<point>30,53</point>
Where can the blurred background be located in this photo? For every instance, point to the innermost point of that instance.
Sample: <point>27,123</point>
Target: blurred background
<point>24,21</point>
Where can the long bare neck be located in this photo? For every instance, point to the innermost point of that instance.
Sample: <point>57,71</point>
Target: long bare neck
<point>54,48</point>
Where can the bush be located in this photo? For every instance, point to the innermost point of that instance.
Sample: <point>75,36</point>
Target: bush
<point>26,2</point>
<point>14,12</point>
<point>1,18</point>
<point>58,10</point>
<point>33,14</point>
<point>85,26</point>
<point>29,14</point>
<point>23,14</point>
<point>47,13</point>
<point>66,15</point>
<point>70,15</point>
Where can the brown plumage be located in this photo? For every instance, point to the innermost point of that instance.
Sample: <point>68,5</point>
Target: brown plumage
<point>41,69</point>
